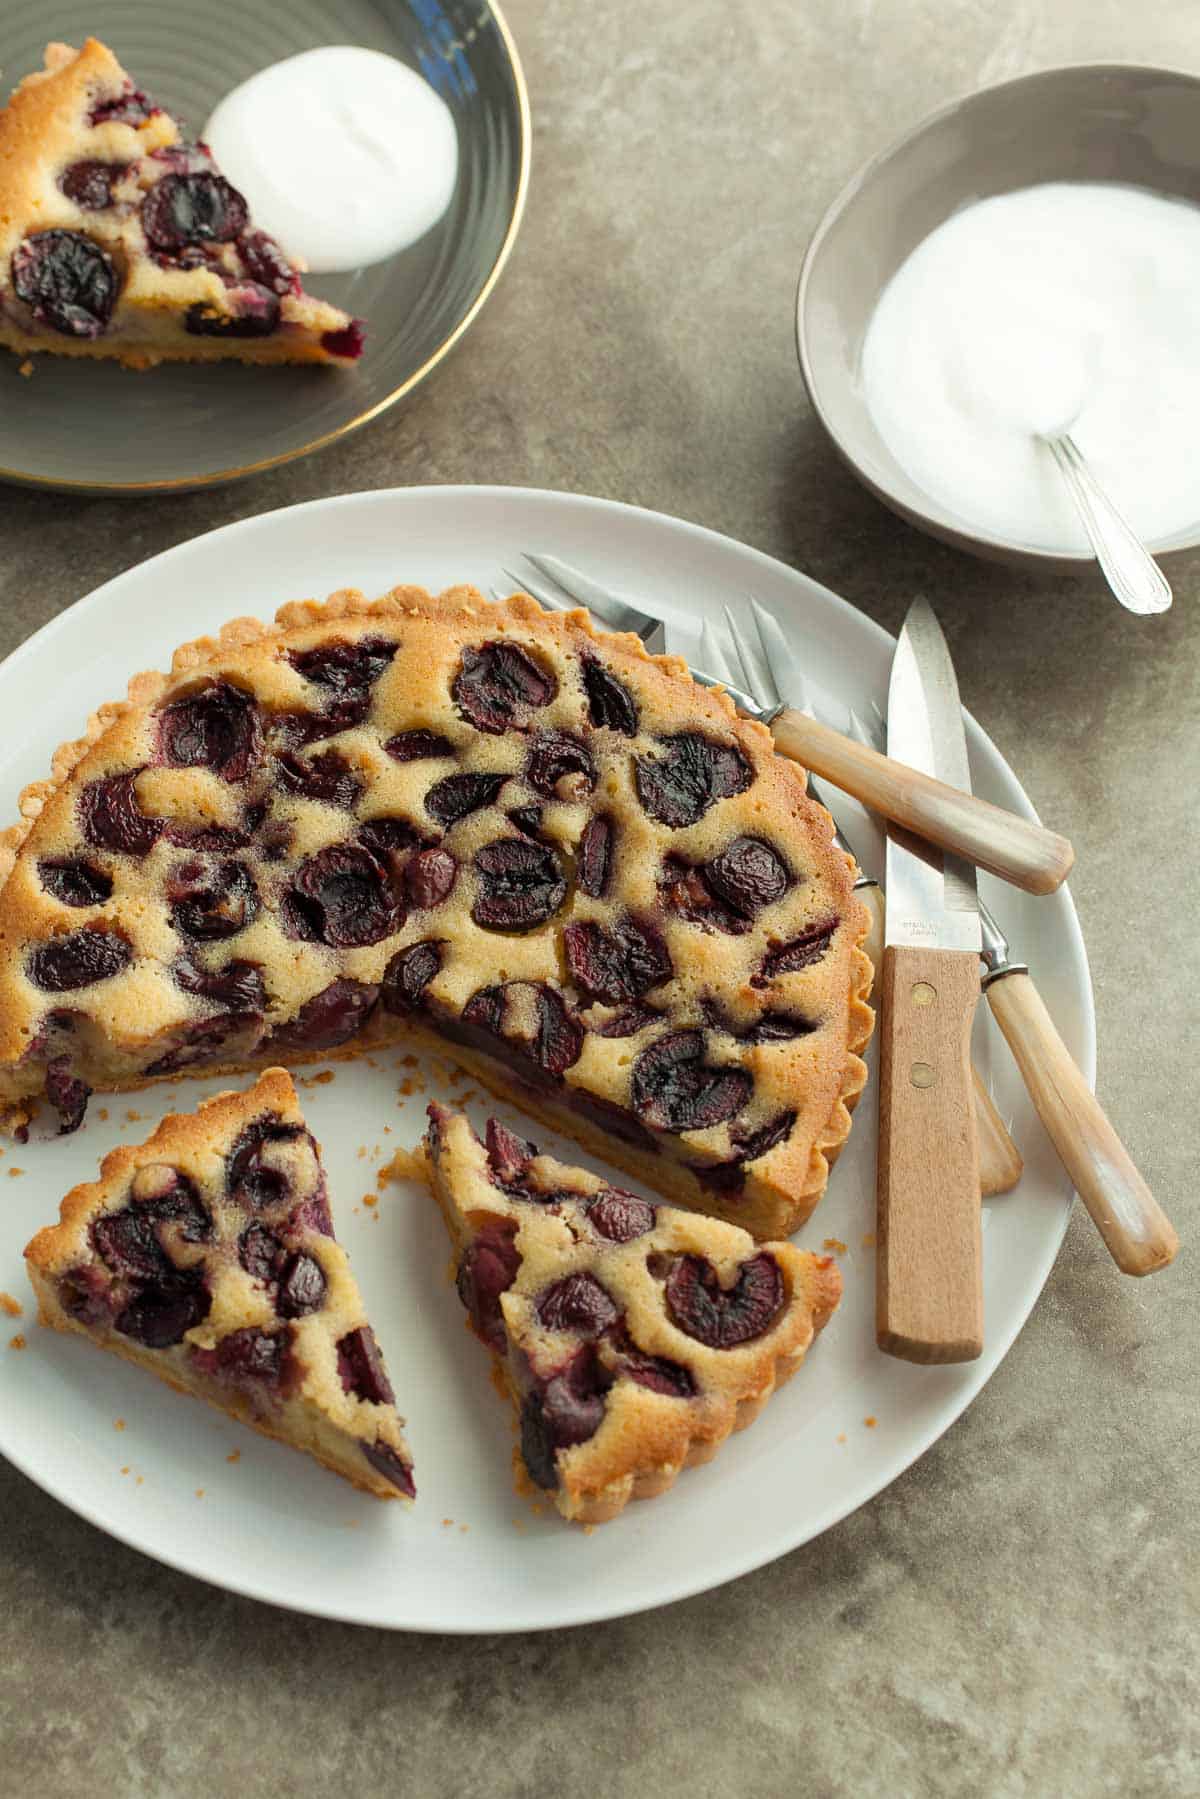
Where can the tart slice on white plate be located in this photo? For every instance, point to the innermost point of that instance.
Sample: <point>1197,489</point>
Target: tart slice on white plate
<point>632,1338</point>
<point>120,237</point>
<point>207,1255</point>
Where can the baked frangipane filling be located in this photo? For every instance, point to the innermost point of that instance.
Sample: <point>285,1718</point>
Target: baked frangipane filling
<point>207,1255</point>
<point>632,1338</point>
<point>121,238</point>
<point>483,823</point>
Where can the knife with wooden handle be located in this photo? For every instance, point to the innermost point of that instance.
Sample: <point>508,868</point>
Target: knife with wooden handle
<point>929,1264</point>
<point>1000,1162</point>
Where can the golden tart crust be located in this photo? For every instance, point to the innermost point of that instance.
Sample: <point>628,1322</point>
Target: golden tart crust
<point>553,994</point>
<point>230,1286</point>
<point>49,127</point>
<point>632,1339</point>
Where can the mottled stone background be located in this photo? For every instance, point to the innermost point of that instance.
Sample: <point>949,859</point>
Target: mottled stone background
<point>1018,1614</point>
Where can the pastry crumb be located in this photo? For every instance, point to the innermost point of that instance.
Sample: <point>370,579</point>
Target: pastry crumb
<point>868,1241</point>
<point>841,1436</point>
<point>17,1342</point>
<point>26,368</point>
<point>370,1199</point>
<point>235,1455</point>
<point>139,1480</point>
<point>199,1492</point>
<point>835,1244</point>
<point>446,1522</point>
<point>118,1424</point>
<point>362,1152</point>
<point>870,1423</point>
<point>14,1170</point>
<point>12,1308</point>
<point>405,1165</point>
<point>125,1469</point>
<point>463,1529</point>
<point>102,1114</point>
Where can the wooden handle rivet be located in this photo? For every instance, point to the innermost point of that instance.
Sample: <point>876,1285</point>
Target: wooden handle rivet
<point>922,1075</point>
<point>923,994</point>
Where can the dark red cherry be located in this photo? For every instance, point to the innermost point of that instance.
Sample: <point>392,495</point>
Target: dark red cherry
<point>610,702</point>
<point>90,184</point>
<point>250,311</point>
<point>566,1410</point>
<point>246,1357</point>
<point>557,1041</point>
<point>111,819</point>
<point>748,875</point>
<point>488,1268</point>
<point>388,837</point>
<point>527,819</point>
<point>418,746</point>
<point>67,1094</point>
<point>192,209</point>
<point>349,340</point>
<point>498,685</point>
<point>459,795</point>
<point>345,667</point>
<point>215,727</point>
<point>129,108</point>
<point>616,965</point>
<point>341,897</point>
<point>67,281</point>
<point>383,1458</point>
<point>678,787</point>
<point>429,877</point>
<point>329,1018</point>
<point>85,1292</point>
<point>408,974</point>
<point>161,1313</point>
<point>75,882</point>
<point>508,1155</point>
<point>327,778</point>
<point>361,1368</point>
<point>520,884</point>
<point>730,1177</point>
<point>658,1373</point>
<point>800,953</point>
<point>260,1253</point>
<point>250,1182</point>
<point>211,900</point>
<point>618,1215</point>
<point>209,839</point>
<point>593,858</point>
<point>206,1040</point>
<point>301,1286</point>
<point>776,1027</point>
<point>578,1303</point>
<point>77,960</point>
<point>724,1317</point>
<point>236,987</point>
<point>559,765</point>
<point>686,892</point>
<point>266,264</point>
<point>629,1022</point>
<point>674,1089</point>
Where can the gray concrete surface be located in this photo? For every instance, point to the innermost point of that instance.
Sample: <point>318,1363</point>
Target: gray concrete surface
<point>1018,1614</point>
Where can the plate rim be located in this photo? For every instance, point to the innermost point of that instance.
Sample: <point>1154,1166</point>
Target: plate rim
<point>756,1555</point>
<point>238,472</point>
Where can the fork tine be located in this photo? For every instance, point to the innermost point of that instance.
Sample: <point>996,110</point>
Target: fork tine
<point>712,653</point>
<point>750,672</point>
<point>761,632</point>
<point>544,594</point>
<point>623,615</point>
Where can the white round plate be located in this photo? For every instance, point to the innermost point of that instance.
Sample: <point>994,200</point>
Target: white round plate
<point>200,1492</point>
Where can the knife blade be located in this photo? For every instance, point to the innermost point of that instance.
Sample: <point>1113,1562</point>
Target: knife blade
<point>929,1281</point>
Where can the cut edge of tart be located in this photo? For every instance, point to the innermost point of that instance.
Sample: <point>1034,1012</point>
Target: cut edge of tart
<point>121,239</point>
<point>726,1074</point>
<point>206,1255</point>
<point>632,1339</point>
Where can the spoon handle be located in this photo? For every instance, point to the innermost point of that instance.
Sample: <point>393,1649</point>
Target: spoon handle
<point>1130,570</point>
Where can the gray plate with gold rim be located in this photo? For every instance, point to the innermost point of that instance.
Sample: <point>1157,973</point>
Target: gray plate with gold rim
<point>99,427</point>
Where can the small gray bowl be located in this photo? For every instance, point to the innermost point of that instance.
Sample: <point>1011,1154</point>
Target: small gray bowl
<point>1098,122</point>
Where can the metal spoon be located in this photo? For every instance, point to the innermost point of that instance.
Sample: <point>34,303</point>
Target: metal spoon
<point>1130,570</point>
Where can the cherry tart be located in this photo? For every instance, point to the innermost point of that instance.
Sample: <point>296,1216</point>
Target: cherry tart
<point>119,237</point>
<point>207,1255</point>
<point>632,1338</point>
<point>483,824</point>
